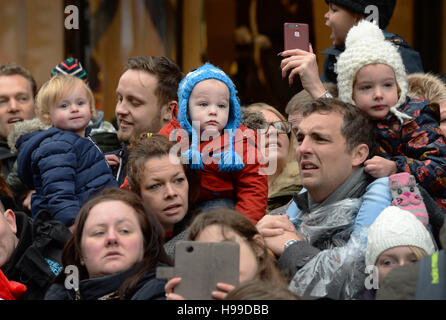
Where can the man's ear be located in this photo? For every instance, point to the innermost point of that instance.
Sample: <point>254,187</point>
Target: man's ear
<point>360,154</point>
<point>10,219</point>
<point>166,115</point>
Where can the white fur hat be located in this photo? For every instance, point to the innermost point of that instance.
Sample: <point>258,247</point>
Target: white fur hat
<point>396,227</point>
<point>365,44</point>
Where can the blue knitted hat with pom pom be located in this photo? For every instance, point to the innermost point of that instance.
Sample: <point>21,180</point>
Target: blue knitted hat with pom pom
<point>229,159</point>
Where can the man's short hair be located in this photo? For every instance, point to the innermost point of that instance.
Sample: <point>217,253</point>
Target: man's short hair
<point>356,126</point>
<point>302,98</point>
<point>12,69</point>
<point>165,70</point>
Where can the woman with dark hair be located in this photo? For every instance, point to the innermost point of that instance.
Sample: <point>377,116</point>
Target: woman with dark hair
<point>115,250</point>
<point>156,173</point>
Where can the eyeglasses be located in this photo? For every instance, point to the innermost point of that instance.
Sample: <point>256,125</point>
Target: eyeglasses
<point>280,126</point>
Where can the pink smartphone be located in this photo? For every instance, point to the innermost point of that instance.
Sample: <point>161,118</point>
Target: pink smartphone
<point>296,36</point>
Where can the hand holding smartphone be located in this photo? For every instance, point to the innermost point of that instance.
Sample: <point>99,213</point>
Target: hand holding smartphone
<point>201,265</point>
<point>296,36</point>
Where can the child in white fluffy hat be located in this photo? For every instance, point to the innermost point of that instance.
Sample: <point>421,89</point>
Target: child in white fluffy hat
<point>396,238</point>
<point>371,75</point>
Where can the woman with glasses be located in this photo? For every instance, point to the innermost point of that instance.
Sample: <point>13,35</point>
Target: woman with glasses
<point>284,181</point>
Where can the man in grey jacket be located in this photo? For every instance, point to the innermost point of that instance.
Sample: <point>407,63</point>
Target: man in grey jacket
<point>324,257</point>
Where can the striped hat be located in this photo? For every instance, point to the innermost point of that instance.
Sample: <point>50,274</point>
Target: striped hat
<point>70,66</point>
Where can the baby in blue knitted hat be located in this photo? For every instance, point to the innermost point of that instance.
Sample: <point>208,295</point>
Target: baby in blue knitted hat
<point>218,145</point>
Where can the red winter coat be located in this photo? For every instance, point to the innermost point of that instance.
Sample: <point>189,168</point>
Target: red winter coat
<point>10,290</point>
<point>246,187</point>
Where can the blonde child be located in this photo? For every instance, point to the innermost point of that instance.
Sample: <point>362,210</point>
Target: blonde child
<point>372,76</point>
<point>217,145</point>
<point>396,238</point>
<point>56,156</point>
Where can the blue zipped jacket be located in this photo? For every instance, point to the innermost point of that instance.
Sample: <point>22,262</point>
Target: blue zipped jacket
<point>64,169</point>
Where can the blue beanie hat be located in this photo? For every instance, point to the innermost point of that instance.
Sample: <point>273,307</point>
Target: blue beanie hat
<point>230,160</point>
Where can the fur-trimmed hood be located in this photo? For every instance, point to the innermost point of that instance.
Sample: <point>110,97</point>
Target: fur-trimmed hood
<point>22,128</point>
<point>427,86</point>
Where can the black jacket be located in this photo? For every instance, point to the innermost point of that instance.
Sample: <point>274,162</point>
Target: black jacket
<point>37,258</point>
<point>106,288</point>
<point>7,157</point>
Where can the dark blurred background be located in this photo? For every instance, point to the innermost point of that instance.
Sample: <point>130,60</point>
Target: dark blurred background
<point>243,37</point>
